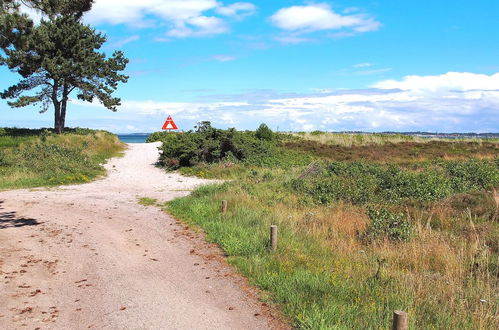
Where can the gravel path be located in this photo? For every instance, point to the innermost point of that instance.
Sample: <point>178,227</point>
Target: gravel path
<point>90,257</point>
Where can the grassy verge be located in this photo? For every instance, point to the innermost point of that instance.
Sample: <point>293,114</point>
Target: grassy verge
<point>34,158</point>
<point>359,239</point>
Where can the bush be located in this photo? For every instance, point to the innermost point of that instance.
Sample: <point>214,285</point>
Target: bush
<point>386,225</point>
<point>361,183</point>
<point>212,145</point>
<point>472,175</point>
<point>264,133</point>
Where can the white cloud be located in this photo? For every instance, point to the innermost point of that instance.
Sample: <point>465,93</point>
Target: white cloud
<point>198,26</point>
<point>223,58</point>
<point>350,10</point>
<point>122,42</point>
<point>238,9</point>
<point>320,17</point>
<point>184,18</point>
<point>362,65</point>
<point>451,81</point>
<point>132,128</point>
<point>34,14</point>
<point>371,72</point>
<point>292,39</point>
<point>362,69</point>
<point>467,102</point>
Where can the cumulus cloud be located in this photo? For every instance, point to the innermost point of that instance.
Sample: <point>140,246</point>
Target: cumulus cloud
<point>321,17</point>
<point>468,102</point>
<point>184,18</point>
<point>451,81</point>
<point>198,26</point>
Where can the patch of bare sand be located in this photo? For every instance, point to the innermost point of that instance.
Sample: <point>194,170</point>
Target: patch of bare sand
<point>90,257</point>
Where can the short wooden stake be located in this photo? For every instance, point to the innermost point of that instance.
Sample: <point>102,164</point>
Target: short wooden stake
<point>224,206</point>
<point>273,237</point>
<point>399,320</point>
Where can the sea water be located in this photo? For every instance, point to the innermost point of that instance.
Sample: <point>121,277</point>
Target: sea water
<point>133,138</point>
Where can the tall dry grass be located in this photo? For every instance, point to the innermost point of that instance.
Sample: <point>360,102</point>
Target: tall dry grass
<point>366,139</point>
<point>326,277</point>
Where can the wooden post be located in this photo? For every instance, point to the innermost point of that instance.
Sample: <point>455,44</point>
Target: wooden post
<point>224,206</point>
<point>399,320</point>
<point>273,237</point>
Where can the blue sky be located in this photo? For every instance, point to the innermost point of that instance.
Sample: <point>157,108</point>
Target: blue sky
<point>295,65</point>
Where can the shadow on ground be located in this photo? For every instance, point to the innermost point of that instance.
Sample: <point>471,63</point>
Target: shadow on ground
<point>11,220</point>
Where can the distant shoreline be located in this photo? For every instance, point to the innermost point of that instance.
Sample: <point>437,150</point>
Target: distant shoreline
<point>142,137</point>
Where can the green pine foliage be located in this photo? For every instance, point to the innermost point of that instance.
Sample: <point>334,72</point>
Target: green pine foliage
<point>263,132</point>
<point>58,57</point>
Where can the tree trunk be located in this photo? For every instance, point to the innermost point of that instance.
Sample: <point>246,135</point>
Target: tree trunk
<point>64,103</point>
<point>57,108</point>
<point>57,120</point>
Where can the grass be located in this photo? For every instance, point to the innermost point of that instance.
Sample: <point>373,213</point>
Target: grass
<point>349,140</point>
<point>34,158</point>
<point>403,152</point>
<point>147,201</point>
<point>325,277</point>
<point>369,139</point>
<point>361,237</point>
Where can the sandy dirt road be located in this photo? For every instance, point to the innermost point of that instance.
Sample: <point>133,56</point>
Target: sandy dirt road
<point>90,257</point>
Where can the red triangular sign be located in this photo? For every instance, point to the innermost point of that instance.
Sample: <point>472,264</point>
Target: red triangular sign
<point>169,124</point>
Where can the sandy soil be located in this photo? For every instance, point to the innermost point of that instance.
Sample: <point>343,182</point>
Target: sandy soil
<point>90,257</point>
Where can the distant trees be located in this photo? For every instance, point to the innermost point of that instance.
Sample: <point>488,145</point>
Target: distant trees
<point>57,57</point>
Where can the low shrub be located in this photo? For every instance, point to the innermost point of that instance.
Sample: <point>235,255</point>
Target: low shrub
<point>211,145</point>
<point>472,175</point>
<point>386,225</point>
<point>361,183</point>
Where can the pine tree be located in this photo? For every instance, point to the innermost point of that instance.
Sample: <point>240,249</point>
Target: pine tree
<point>57,57</point>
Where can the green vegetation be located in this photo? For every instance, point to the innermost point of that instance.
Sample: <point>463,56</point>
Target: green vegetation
<point>361,182</point>
<point>399,153</point>
<point>57,57</point>
<point>359,236</point>
<point>33,158</point>
<point>208,145</point>
<point>147,201</point>
<point>367,139</point>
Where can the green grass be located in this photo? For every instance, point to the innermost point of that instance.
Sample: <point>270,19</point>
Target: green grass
<point>34,158</point>
<point>363,230</point>
<point>324,277</point>
<point>146,201</point>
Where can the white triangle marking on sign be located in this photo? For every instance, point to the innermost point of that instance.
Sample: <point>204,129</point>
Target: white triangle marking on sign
<point>169,125</point>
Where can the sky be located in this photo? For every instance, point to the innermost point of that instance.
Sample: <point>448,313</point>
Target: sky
<point>384,65</point>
